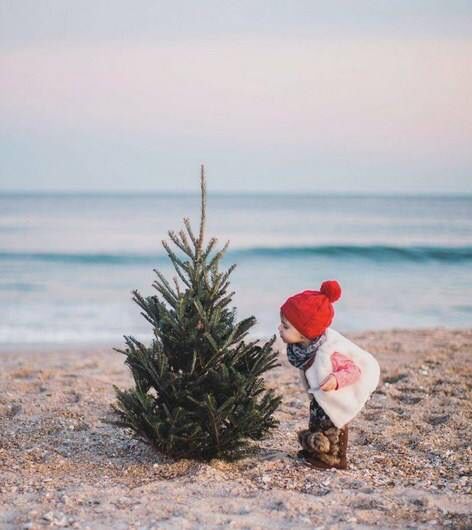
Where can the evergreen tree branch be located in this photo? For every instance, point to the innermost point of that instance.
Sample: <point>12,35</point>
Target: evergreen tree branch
<point>226,300</point>
<point>178,265</point>
<point>203,211</point>
<point>173,257</point>
<point>216,258</point>
<point>188,226</point>
<point>177,287</point>
<point>209,248</point>
<point>181,243</point>
<point>169,296</point>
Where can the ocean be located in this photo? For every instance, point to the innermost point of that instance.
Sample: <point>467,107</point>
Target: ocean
<point>70,261</point>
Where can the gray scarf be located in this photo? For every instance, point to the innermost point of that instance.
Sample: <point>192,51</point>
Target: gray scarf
<point>302,356</point>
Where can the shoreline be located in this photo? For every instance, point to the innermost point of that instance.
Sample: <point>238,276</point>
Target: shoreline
<point>46,347</point>
<point>62,465</point>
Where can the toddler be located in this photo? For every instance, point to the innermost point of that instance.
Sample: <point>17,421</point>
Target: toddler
<point>338,374</point>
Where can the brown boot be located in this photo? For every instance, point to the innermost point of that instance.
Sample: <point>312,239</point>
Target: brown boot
<point>311,460</point>
<point>334,458</point>
<point>314,442</point>
<point>343,447</point>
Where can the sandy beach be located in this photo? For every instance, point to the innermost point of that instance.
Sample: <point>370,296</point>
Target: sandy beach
<point>63,466</point>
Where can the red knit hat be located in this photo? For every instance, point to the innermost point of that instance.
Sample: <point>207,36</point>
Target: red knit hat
<point>311,312</point>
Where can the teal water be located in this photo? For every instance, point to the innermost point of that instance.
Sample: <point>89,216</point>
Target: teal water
<point>69,262</point>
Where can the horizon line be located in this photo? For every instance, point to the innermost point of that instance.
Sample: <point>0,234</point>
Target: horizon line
<point>279,193</point>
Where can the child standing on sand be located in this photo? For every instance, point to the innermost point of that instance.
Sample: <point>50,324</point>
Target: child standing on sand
<point>338,375</point>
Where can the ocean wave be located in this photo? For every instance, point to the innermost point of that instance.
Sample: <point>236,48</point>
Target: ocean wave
<point>84,258</point>
<point>368,252</point>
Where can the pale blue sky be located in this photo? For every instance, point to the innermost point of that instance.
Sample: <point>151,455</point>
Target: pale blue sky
<point>272,96</point>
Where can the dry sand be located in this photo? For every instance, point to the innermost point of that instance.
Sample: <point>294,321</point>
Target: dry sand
<point>63,466</point>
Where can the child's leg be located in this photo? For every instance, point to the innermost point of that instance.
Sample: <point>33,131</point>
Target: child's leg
<point>323,440</point>
<point>313,439</point>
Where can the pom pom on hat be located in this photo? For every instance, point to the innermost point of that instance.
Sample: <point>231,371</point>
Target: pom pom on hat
<point>311,312</point>
<point>331,289</point>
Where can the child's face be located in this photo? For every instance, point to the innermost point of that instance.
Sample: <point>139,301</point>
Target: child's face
<point>288,333</point>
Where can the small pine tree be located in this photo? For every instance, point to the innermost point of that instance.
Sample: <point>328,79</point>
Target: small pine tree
<point>199,390</point>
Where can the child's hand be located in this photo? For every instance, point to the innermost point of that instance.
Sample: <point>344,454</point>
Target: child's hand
<point>328,383</point>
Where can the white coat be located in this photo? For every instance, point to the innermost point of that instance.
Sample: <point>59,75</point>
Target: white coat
<point>344,404</point>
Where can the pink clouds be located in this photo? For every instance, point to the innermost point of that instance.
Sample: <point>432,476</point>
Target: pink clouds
<point>359,95</point>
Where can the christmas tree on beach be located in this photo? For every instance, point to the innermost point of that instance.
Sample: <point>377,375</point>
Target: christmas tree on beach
<point>199,390</point>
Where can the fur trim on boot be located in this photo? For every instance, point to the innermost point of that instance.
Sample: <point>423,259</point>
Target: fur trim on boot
<point>314,442</point>
<point>335,456</point>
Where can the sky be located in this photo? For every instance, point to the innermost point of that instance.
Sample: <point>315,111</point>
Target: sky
<point>272,96</point>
